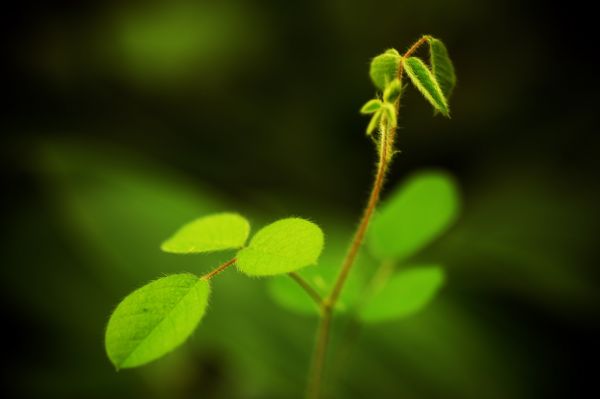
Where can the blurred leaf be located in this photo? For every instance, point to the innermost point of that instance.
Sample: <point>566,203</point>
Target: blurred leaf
<point>392,91</point>
<point>209,233</point>
<point>155,319</point>
<point>442,67</point>
<point>384,68</point>
<point>404,294</point>
<point>424,80</point>
<point>281,247</point>
<point>371,106</point>
<point>414,215</point>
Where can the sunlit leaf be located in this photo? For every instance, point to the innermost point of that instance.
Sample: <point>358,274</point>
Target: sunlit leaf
<point>404,294</point>
<point>155,319</point>
<point>384,68</point>
<point>281,247</point>
<point>424,80</point>
<point>442,67</point>
<point>209,233</point>
<point>414,215</point>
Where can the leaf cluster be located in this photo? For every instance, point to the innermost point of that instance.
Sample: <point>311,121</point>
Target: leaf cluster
<point>158,317</point>
<point>435,82</point>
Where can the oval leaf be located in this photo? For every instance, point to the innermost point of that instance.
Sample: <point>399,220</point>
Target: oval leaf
<point>155,319</point>
<point>424,80</point>
<point>442,67</point>
<point>384,68</point>
<point>209,233</point>
<point>415,214</point>
<point>404,294</point>
<point>281,247</point>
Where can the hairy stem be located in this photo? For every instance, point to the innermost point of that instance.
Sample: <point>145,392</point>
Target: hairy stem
<point>410,52</point>
<point>307,287</point>
<point>218,270</point>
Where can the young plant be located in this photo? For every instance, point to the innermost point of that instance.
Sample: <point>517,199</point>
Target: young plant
<point>161,315</point>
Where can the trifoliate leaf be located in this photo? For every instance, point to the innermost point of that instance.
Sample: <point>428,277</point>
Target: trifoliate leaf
<point>384,68</point>
<point>392,91</point>
<point>405,294</point>
<point>414,215</point>
<point>209,233</point>
<point>424,80</point>
<point>155,319</point>
<point>370,107</point>
<point>442,67</point>
<point>281,247</point>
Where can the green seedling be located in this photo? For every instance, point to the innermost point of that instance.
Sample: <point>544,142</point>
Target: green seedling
<point>160,316</point>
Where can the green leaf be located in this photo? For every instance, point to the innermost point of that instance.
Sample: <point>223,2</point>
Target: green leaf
<point>414,215</point>
<point>281,247</point>
<point>405,294</point>
<point>155,319</point>
<point>392,91</point>
<point>209,233</point>
<point>384,68</point>
<point>370,107</point>
<point>424,80</point>
<point>374,122</point>
<point>442,67</point>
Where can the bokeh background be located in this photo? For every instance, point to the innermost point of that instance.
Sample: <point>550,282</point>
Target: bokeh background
<point>125,119</point>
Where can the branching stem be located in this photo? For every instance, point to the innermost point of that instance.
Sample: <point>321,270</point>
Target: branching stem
<point>307,287</point>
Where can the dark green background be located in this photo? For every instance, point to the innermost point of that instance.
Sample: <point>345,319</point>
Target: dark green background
<point>125,119</point>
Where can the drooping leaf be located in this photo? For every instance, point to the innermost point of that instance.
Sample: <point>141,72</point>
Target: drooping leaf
<point>374,122</point>
<point>404,294</point>
<point>209,233</point>
<point>155,319</point>
<point>281,247</point>
<point>425,82</point>
<point>442,66</point>
<point>371,106</point>
<point>414,215</point>
<point>384,68</point>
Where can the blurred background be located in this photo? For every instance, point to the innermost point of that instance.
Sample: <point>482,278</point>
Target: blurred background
<point>123,120</point>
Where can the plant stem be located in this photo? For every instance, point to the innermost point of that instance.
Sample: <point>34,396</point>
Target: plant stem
<point>219,269</point>
<point>307,287</point>
<point>318,363</point>
<point>386,149</point>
